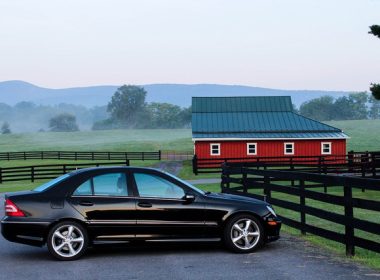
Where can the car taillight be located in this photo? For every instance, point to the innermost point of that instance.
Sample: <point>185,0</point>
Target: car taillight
<point>12,210</point>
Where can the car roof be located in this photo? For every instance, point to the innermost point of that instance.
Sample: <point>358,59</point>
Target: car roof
<point>101,168</point>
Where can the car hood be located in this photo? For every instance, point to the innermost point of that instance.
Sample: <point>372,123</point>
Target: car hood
<point>232,197</point>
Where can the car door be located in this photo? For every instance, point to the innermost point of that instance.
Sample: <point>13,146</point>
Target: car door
<point>162,209</point>
<point>108,205</point>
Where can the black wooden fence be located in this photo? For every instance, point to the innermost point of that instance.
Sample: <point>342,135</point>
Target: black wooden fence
<point>248,179</point>
<point>51,171</point>
<point>72,155</point>
<point>362,163</point>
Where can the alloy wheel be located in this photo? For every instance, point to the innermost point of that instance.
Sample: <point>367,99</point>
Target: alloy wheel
<point>245,234</point>
<point>67,241</point>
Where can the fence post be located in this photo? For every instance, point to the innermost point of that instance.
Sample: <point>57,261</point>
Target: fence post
<point>292,168</point>
<point>267,191</point>
<point>350,161</point>
<point>59,155</point>
<point>373,164</point>
<point>127,162</point>
<point>8,156</point>
<point>195,164</point>
<point>64,168</point>
<point>92,155</point>
<point>76,155</point>
<point>244,181</point>
<point>24,155</point>
<point>1,175</point>
<point>42,155</point>
<point>143,156</point>
<point>323,162</point>
<point>302,206</point>
<point>159,154</point>
<point>349,213</point>
<point>32,174</point>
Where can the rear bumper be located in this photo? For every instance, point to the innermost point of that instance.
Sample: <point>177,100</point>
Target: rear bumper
<point>30,233</point>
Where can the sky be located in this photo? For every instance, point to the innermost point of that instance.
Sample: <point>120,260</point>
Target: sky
<point>285,44</point>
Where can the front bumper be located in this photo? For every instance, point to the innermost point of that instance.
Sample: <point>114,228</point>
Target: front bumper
<point>272,229</point>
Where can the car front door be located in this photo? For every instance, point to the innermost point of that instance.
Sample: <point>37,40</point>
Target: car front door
<point>165,209</point>
<point>108,205</point>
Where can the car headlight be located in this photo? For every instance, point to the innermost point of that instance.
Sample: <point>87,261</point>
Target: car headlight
<point>271,210</point>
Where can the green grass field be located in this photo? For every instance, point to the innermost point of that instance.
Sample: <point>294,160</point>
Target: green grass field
<point>365,135</point>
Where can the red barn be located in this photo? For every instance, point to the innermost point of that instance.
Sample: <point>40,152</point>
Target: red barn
<point>260,126</point>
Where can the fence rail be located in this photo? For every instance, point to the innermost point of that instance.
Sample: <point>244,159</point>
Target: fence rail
<point>49,171</point>
<point>362,163</point>
<point>266,180</point>
<point>177,155</point>
<point>73,155</point>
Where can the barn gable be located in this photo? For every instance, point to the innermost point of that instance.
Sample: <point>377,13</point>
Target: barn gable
<point>263,117</point>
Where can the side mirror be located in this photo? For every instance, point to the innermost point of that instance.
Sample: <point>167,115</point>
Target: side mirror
<point>189,197</point>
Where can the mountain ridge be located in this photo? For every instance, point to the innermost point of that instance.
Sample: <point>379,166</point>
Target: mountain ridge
<point>12,92</point>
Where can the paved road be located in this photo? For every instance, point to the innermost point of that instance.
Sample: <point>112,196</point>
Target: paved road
<point>288,258</point>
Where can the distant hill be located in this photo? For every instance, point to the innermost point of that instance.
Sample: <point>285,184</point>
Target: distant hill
<point>12,92</point>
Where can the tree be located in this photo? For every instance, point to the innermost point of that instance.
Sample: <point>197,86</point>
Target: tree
<point>125,105</point>
<point>375,30</point>
<point>321,108</point>
<point>5,128</point>
<point>63,122</point>
<point>165,115</point>
<point>374,110</point>
<point>375,88</point>
<point>353,107</point>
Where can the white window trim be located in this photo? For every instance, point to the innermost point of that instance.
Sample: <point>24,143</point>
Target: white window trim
<point>330,148</point>
<point>251,154</point>
<point>214,144</point>
<point>289,143</point>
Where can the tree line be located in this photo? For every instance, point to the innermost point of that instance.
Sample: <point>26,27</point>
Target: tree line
<point>355,106</point>
<point>128,109</point>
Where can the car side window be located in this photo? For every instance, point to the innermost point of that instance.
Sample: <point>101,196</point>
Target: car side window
<point>111,184</point>
<point>155,186</point>
<point>84,189</point>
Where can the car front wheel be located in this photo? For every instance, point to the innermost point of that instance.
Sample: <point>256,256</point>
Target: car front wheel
<point>243,234</point>
<point>67,241</point>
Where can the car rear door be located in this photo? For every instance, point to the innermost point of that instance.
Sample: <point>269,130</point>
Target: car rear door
<point>162,211</point>
<point>108,205</point>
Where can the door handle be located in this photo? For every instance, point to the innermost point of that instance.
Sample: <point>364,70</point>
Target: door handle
<point>86,203</point>
<point>144,204</point>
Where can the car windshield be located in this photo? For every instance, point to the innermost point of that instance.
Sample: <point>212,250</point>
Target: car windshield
<point>186,183</point>
<point>51,183</point>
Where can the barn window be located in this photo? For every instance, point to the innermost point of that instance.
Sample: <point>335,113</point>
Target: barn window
<point>326,148</point>
<point>215,149</point>
<point>289,148</point>
<point>251,148</point>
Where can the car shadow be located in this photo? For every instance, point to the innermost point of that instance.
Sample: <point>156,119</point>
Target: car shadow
<point>154,248</point>
<point>163,248</point>
<point>32,254</point>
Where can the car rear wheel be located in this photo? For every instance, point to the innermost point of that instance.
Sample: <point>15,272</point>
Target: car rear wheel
<point>243,234</point>
<point>67,241</point>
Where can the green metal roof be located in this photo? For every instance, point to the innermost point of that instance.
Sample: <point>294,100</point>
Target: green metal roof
<point>254,117</point>
<point>242,104</point>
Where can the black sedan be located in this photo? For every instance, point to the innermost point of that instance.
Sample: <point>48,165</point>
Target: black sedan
<point>93,205</point>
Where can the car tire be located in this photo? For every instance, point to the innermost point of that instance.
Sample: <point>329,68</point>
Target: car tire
<point>243,234</point>
<point>67,241</point>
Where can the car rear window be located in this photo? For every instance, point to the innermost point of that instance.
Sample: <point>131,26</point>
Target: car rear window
<point>51,183</point>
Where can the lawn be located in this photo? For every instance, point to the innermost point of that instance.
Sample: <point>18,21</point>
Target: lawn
<point>364,136</point>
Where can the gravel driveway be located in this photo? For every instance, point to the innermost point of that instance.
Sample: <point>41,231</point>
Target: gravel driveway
<point>288,258</point>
